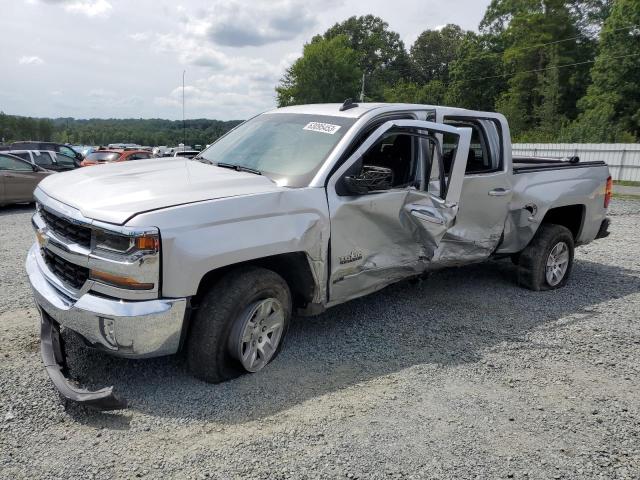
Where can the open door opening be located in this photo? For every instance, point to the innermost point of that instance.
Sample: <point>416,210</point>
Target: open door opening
<point>391,204</point>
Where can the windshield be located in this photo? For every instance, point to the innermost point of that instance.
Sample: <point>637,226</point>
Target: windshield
<point>288,147</point>
<point>103,156</point>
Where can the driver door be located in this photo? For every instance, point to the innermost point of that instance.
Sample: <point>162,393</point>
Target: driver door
<point>390,205</point>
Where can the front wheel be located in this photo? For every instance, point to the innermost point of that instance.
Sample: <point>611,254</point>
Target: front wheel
<point>546,263</point>
<point>240,325</point>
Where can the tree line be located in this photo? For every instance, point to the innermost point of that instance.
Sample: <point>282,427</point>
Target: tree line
<point>560,70</point>
<point>102,132</point>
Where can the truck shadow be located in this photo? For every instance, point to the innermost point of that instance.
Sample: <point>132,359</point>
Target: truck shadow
<point>453,318</point>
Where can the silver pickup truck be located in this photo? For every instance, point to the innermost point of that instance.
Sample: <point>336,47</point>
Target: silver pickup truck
<point>294,211</point>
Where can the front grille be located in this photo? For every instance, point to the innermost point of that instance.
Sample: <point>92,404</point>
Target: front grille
<point>66,229</point>
<point>68,272</point>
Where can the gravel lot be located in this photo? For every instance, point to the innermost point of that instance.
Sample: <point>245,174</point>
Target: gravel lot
<point>461,376</point>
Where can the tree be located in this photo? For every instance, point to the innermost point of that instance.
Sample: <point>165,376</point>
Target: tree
<point>433,52</point>
<point>611,107</point>
<point>539,38</point>
<point>432,93</point>
<point>476,74</point>
<point>327,72</point>
<point>381,55</point>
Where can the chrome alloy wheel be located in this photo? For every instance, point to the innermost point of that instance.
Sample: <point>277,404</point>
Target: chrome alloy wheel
<point>557,263</point>
<point>257,336</point>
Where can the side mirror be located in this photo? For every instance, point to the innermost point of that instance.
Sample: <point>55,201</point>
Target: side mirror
<point>370,179</point>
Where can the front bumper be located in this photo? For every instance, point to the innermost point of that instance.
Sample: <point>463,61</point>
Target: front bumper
<point>133,329</point>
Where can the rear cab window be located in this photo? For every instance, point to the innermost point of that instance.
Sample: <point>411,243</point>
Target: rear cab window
<point>485,151</point>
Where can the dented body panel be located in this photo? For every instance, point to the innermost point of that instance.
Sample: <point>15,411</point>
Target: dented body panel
<point>202,237</point>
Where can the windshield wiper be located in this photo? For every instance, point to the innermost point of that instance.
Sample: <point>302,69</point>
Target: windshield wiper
<point>238,168</point>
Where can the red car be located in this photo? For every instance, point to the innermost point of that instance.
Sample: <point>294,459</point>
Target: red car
<point>108,156</point>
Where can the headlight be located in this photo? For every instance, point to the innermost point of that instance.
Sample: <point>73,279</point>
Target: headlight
<point>127,259</point>
<point>127,244</point>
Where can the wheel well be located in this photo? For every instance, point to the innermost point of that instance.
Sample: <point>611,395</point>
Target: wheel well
<point>293,267</point>
<point>570,216</point>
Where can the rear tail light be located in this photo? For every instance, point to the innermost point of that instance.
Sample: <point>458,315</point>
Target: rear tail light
<point>608,192</point>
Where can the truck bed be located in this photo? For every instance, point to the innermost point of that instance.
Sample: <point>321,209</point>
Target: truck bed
<point>539,164</point>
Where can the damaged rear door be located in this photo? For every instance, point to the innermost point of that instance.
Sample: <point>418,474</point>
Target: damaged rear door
<point>391,203</point>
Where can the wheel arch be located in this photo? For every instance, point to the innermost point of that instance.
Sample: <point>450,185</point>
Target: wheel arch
<point>569,216</point>
<point>293,267</point>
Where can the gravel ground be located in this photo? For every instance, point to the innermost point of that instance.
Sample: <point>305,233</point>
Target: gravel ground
<point>461,376</point>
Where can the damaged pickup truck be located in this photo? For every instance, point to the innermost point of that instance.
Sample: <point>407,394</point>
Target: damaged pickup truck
<point>295,210</point>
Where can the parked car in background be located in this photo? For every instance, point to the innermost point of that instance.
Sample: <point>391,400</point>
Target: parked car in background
<point>87,150</point>
<point>48,160</point>
<point>109,156</point>
<point>186,153</point>
<point>48,146</point>
<point>159,151</point>
<point>18,179</point>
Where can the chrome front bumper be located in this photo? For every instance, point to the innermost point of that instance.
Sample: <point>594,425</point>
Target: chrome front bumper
<point>133,329</point>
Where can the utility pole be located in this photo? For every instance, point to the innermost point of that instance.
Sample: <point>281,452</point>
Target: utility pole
<point>362,90</point>
<point>184,131</point>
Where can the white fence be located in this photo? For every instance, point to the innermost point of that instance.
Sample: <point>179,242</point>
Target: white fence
<point>623,158</point>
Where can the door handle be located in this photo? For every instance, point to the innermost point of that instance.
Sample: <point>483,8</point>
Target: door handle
<point>427,216</point>
<point>499,192</point>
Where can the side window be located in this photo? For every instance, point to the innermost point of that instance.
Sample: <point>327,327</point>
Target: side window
<point>42,159</point>
<point>484,152</point>
<point>23,155</point>
<point>439,160</point>
<point>396,152</point>
<point>13,164</point>
<point>67,151</point>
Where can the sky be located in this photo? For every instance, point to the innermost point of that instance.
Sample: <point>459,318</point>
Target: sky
<point>126,58</point>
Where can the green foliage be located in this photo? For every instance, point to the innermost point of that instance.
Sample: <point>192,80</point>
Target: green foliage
<point>531,61</point>
<point>434,51</point>
<point>381,53</point>
<point>475,75</point>
<point>611,107</point>
<point>432,93</point>
<point>24,128</point>
<point>327,72</point>
<point>103,132</point>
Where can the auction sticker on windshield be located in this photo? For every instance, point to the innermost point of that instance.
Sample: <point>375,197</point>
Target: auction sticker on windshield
<point>322,127</point>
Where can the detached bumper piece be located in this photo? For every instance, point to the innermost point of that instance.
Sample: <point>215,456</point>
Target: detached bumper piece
<point>604,229</point>
<point>52,351</point>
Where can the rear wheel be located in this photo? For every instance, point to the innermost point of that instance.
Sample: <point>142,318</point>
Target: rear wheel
<point>546,263</point>
<point>240,325</point>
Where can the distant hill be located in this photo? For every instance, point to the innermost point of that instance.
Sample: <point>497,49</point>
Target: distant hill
<point>96,131</point>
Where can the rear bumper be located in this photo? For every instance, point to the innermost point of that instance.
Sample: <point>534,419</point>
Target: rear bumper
<point>604,232</point>
<point>133,329</point>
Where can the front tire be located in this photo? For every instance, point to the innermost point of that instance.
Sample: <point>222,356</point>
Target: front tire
<point>546,263</point>
<point>240,325</point>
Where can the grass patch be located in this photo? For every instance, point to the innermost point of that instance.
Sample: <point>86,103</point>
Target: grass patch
<point>626,183</point>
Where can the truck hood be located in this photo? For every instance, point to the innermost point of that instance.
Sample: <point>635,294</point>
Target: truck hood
<point>116,192</point>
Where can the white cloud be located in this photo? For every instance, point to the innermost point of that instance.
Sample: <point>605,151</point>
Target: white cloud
<point>90,8</point>
<point>139,36</point>
<point>30,60</point>
<point>235,23</point>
